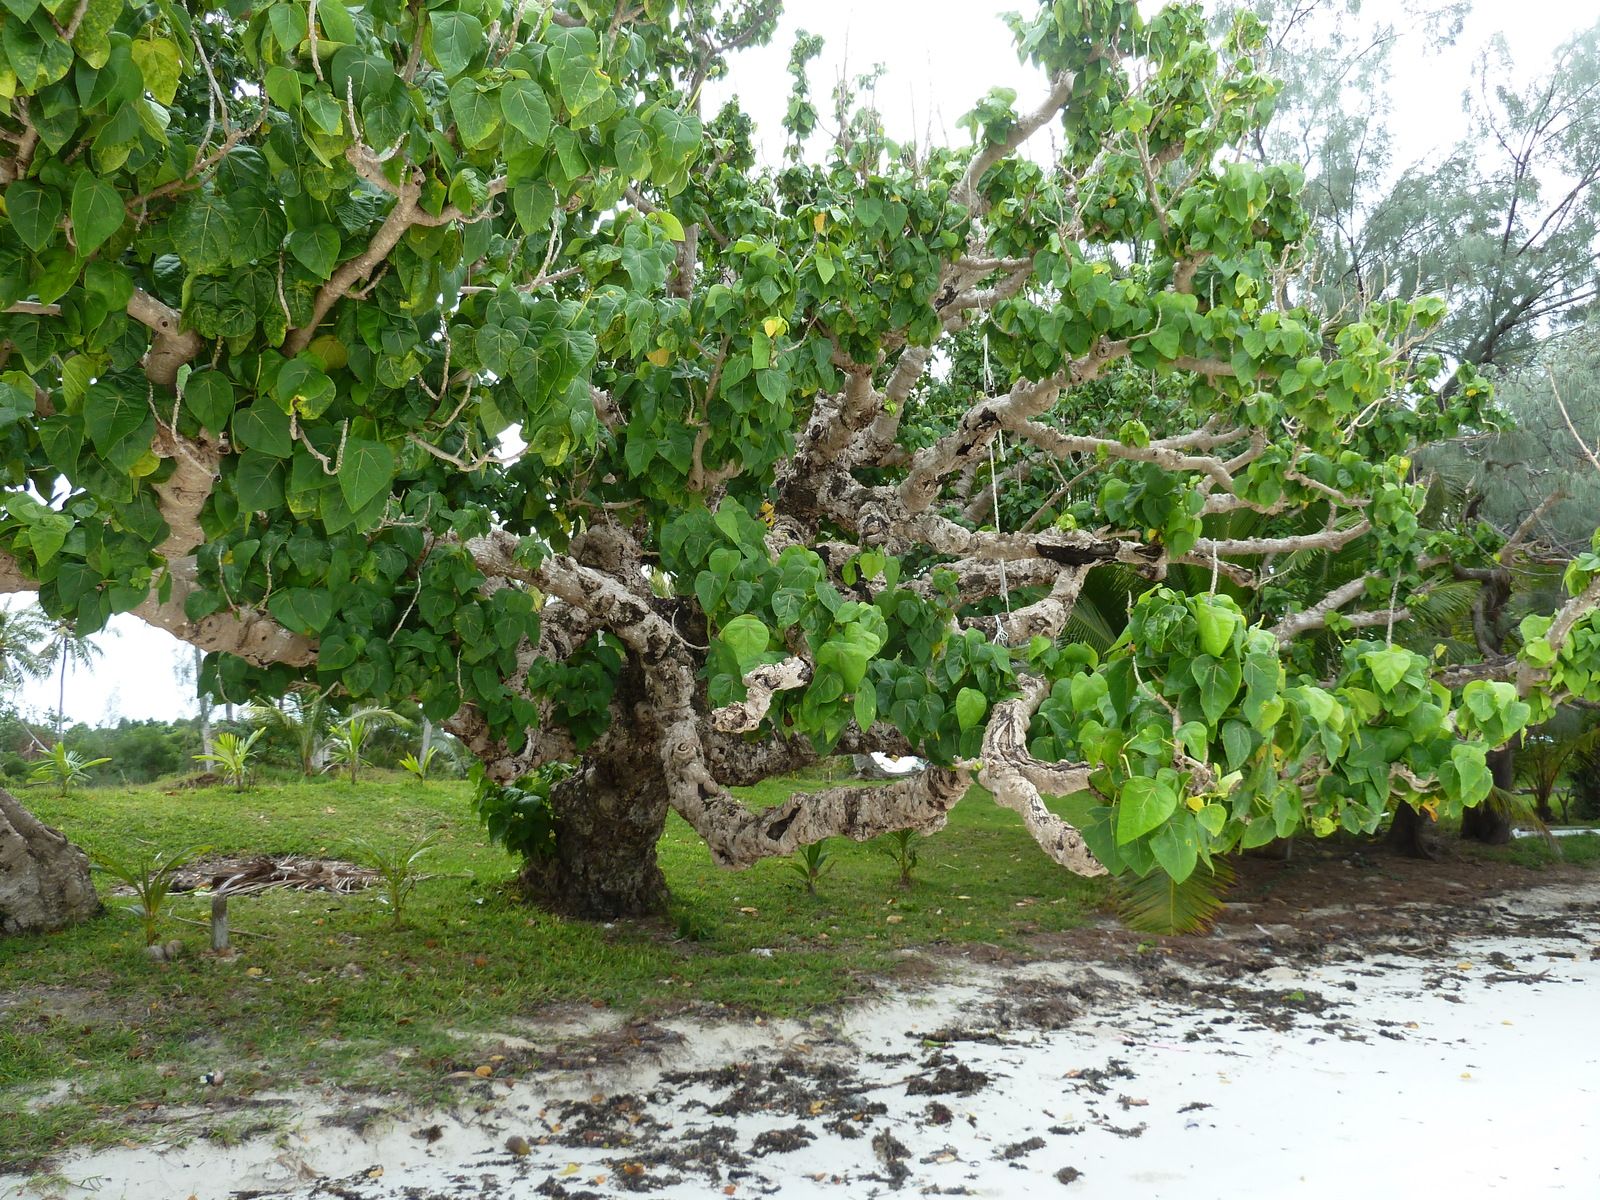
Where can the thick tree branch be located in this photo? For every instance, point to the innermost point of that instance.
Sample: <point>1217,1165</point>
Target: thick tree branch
<point>762,684</point>
<point>966,192</point>
<point>1328,539</point>
<point>245,632</point>
<point>182,496</point>
<point>1016,779</point>
<point>407,211</point>
<point>172,347</point>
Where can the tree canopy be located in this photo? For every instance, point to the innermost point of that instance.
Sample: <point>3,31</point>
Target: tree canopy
<point>450,351</point>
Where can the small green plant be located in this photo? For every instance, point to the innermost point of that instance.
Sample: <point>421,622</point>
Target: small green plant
<point>64,768</point>
<point>348,741</point>
<point>900,848</point>
<point>519,816</point>
<point>811,863</point>
<point>301,718</point>
<point>396,864</point>
<point>418,767</point>
<point>149,873</point>
<point>232,754</point>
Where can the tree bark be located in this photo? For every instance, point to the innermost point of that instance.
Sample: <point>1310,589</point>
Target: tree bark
<point>608,819</point>
<point>44,879</point>
<point>1407,835</point>
<point>1490,822</point>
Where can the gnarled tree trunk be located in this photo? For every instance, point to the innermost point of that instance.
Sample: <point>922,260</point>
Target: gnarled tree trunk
<point>44,879</point>
<point>608,818</point>
<point>1489,822</point>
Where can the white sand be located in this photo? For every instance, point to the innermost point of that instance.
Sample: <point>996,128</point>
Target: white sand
<point>1495,1095</point>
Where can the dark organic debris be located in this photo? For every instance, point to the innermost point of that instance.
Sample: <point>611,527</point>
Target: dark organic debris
<point>893,1152</point>
<point>939,1114</point>
<point>616,1047</point>
<point>1094,1079</point>
<point>781,1141</point>
<point>789,1087</point>
<point>707,1151</point>
<point>950,1077</point>
<point>1194,1106</point>
<point>430,1134</point>
<point>1018,1149</point>
<point>1068,1174</point>
<point>613,1122</point>
<point>888,1147</point>
<point>557,1190</point>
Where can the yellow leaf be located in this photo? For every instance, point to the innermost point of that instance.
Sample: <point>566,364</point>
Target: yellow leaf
<point>775,326</point>
<point>159,63</point>
<point>570,1169</point>
<point>659,357</point>
<point>820,221</point>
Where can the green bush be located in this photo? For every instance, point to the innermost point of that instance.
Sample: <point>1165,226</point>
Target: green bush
<point>519,817</point>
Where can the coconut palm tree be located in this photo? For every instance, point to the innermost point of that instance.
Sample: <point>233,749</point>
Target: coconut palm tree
<point>67,648</point>
<point>22,657</point>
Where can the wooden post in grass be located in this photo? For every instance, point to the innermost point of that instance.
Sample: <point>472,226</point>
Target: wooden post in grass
<point>219,920</point>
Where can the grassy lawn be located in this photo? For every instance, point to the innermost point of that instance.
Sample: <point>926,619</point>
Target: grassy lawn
<point>337,996</point>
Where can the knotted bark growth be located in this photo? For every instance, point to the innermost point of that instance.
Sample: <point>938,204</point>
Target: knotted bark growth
<point>44,879</point>
<point>1016,779</point>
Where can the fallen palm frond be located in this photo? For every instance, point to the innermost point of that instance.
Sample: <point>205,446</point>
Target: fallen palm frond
<point>244,876</point>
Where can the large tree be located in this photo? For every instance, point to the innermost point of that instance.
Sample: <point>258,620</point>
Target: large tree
<point>447,351</point>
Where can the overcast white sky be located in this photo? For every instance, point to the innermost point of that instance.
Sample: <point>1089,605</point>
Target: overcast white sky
<point>941,55</point>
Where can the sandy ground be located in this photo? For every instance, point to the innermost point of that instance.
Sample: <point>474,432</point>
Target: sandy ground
<point>1455,1053</point>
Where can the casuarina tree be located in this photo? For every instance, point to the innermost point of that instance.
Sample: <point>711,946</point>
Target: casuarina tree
<point>450,351</point>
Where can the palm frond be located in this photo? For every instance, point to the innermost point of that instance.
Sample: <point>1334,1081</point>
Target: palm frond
<point>1157,903</point>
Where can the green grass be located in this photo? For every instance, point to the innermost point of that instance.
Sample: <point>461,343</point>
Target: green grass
<point>86,1005</point>
<point>1535,853</point>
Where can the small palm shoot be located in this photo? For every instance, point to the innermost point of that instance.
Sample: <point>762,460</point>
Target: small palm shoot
<point>64,768</point>
<point>231,755</point>
<point>901,849</point>
<point>811,863</point>
<point>418,767</point>
<point>396,865</point>
<point>150,874</point>
<point>348,742</point>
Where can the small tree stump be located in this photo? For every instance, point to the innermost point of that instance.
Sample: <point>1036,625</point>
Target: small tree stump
<point>219,921</point>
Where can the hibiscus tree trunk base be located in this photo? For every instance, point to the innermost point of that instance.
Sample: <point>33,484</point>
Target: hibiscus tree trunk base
<point>609,817</point>
<point>44,879</point>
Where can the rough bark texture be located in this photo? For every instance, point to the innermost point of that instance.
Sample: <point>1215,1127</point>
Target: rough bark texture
<point>1407,835</point>
<point>44,879</point>
<point>609,817</point>
<point>1017,780</point>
